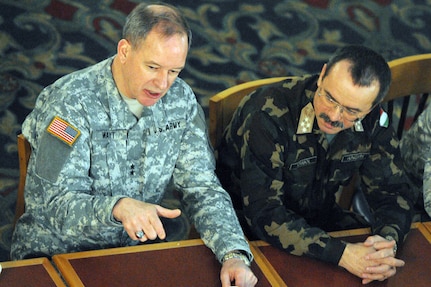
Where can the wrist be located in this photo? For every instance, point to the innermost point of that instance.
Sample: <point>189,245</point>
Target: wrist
<point>390,238</point>
<point>238,255</point>
<point>343,259</point>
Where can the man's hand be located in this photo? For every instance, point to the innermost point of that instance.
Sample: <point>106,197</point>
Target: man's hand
<point>353,258</point>
<point>139,216</point>
<point>235,270</point>
<point>385,263</point>
<point>372,260</point>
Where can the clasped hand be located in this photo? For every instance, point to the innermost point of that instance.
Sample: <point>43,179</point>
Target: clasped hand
<point>374,259</point>
<point>138,216</point>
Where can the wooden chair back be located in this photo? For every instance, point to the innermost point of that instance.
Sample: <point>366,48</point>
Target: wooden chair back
<point>406,99</point>
<point>408,94</point>
<point>24,151</point>
<point>223,105</point>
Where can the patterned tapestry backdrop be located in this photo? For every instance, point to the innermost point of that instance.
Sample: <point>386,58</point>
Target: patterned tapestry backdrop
<point>233,41</point>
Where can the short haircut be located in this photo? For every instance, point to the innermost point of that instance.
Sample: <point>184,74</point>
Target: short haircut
<point>366,67</point>
<point>144,17</point>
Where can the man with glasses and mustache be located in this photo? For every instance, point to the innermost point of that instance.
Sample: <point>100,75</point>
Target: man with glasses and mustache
<point>292,145</point>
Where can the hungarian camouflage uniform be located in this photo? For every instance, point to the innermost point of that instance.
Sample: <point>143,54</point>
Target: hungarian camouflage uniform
<point>286,172</point>
<point>415,147</point>
<point>89,151</point>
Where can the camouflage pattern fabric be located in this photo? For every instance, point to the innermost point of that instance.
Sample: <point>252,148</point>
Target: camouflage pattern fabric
<point>416,151</point>
<point>104,153</point>
<point>286,173</point>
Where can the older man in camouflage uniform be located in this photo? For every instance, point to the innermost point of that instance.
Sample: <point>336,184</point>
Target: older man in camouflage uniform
<point>416,151</point>
<point>107,142</point>
<point>291,145</point>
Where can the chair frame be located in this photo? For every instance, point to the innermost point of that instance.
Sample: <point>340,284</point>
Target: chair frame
<point>419,68</point>
<point>417,65</point>
<point>223,105</point>
<point>24,151</point>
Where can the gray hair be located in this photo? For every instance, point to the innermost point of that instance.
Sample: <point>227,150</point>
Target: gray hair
<point>145,17</point>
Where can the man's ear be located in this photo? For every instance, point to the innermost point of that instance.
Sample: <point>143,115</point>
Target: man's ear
<point>322,73</point>
<point>123,49</point>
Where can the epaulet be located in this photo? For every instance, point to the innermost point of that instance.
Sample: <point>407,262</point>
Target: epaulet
<point>306,120</point>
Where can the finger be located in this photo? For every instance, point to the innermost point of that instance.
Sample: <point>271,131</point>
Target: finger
<point>380,269</point>
<point>369,241</point>
<point>397,263</point>
<point>383,268</point>
<point>382,253</point>
<point>381,275</point>
<point>140,235</point>
<point>143,238</point>
<point>151,226</point>
<point>389,261</point>
<point>134,232</point>
<point>158,227</point>
<point>374,277</point>
<point>385,244</point>
<point>168,213</point>
<point>246,279</point>
<point>366,281</point>
<point>225,279</point>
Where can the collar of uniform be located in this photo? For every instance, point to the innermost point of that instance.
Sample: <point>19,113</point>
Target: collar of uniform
<point>306,119</point>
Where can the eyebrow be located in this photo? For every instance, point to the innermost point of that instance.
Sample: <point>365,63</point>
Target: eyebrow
<point>156,64</point>
<point>356,110</point>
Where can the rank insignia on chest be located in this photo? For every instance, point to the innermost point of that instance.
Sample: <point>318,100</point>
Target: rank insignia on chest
<point>306,120</point>
<point>63,131</point>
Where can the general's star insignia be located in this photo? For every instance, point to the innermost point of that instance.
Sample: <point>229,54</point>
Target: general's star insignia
<point>306,120</point>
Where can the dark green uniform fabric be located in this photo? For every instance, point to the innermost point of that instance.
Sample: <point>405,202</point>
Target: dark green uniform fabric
<point>286,173</point>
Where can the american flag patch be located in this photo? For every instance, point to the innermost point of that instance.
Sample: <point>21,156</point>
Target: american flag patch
<point>63,130</point>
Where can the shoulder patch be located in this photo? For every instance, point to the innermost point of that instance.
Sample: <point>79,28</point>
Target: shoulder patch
<point>63,131</point>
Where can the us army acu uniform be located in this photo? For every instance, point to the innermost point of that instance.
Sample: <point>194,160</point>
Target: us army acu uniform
<point>89,151</point>
<point>415,147</point>
<point>287,172</point>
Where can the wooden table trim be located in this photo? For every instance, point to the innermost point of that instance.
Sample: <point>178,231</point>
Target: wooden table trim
<point>131,249</point>
<point>37,261</point>
<point>62,261</point>
<point>425,228</point>
<point>72,278</point>
<point>270,273</point>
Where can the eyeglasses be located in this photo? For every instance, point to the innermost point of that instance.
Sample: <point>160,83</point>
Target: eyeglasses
<point>349,115</point>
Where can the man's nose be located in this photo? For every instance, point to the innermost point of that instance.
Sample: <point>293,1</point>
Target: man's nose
<point>336,113</point>
<point>161,80</point>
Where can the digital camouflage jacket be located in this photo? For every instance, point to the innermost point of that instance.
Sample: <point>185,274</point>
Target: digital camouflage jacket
<point>415,148</point>
<point>89,151</point>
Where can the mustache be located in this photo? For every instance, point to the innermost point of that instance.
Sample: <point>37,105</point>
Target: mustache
<point>335,124</point>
